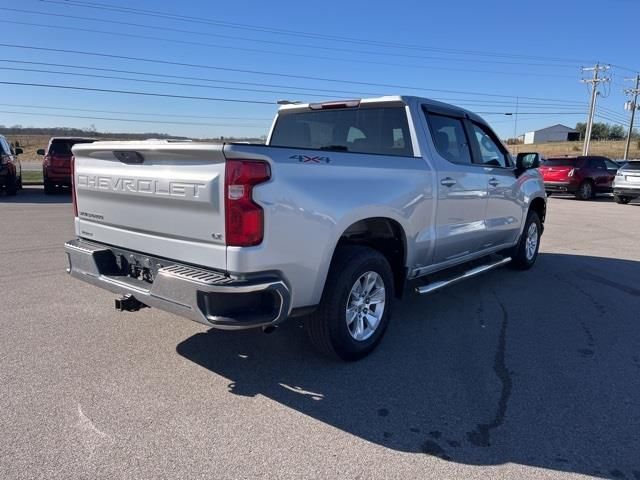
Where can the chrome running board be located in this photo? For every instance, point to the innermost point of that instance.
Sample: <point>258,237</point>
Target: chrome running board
<point>432,287</point>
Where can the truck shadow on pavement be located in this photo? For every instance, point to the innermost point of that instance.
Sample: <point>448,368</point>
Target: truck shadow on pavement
<point>34,194</point>
<point>539,368</point>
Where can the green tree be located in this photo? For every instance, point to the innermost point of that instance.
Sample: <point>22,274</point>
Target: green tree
<point>599,131</point>
<point>617,132</point>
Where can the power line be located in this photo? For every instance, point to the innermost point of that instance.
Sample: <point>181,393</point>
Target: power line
<point>132,120</point>
<point>122,23</point>
<point>297,34</point>
<point>539,117</point>
<point>257,72</point>
<point>129,92</point>
<point>121,34</point>
<point>609,119</point>
<point>222,118</point>
<point>182,77</point>
<point>160,82</point>
<point>530,113</point>
<point>152,114</point>
<point>152,94</point>
<point>303,89</point>
<point>613,113</point>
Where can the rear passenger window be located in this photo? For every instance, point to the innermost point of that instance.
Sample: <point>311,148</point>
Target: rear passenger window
<point>450,138</point>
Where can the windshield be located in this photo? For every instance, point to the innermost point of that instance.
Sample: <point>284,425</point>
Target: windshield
<point>632,166</point>
<point>63,146</point>
<point>382,130</point>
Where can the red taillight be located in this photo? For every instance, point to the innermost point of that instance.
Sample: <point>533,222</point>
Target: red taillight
<point>73,186</point>
<point>244,218</point>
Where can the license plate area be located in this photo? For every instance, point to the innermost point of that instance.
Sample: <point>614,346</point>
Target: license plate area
<point>633,178</point>
<point>137,266</point>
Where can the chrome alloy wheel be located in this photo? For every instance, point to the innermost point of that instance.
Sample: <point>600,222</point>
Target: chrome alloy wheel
<point>365,306</point>
<point>531,241</point>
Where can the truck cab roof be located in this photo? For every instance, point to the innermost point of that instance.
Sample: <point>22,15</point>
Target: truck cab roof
<point>429,103</point>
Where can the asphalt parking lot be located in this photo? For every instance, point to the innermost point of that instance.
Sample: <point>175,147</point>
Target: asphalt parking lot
<point>512,375</point>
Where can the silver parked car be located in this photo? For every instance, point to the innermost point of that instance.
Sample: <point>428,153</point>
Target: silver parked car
<point>626,185</point>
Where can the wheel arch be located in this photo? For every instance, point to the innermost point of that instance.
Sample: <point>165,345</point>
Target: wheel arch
<point>384,234</point>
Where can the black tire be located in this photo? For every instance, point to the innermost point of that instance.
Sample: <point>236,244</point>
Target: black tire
<point>520,260</point>
<point>621,199</point>
<point>327,326</point>
<point>12,186</point>
<point>585,190</point>
<point>49,188</point>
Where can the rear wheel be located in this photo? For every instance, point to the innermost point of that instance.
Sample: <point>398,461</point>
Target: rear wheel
<point>621,199</point>
<point>524,255</point>
<point>585,190</point>
<point>355,306</point>
<point>49,187</point>
<point>12,186</point>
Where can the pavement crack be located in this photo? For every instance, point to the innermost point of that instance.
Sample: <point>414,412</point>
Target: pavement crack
<point>481,436</point>
<point>609,283</point>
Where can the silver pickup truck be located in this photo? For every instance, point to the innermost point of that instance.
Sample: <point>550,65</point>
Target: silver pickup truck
<point>345,203</point>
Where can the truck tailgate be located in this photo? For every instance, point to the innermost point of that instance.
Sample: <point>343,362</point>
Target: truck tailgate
<point>157,197</point>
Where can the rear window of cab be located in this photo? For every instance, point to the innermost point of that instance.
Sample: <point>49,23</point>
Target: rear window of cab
<point>560,162</point>
<point>372,130</point>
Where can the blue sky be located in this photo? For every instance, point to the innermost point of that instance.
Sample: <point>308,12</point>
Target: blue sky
<point>488,55</point>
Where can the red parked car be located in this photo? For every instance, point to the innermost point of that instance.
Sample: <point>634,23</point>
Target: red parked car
<point>56,165</point>
<point>582,176</point>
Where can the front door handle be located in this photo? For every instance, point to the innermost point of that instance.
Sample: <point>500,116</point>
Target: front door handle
<point>494,182</point>
<point>448,182</point>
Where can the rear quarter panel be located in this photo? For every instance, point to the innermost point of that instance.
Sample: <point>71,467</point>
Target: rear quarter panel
<point>310,203</point>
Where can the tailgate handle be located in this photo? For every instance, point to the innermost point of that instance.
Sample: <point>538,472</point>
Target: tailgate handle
<point>129,156</point>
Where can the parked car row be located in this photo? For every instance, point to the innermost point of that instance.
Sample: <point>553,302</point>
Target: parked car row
<point>587,176</point>
<point>56,164</point>
<point>10,167</point>
<point>582,176</point>
<point>626,185</point>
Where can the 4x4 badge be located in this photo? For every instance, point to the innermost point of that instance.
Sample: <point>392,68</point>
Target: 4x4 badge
<point>310,159</point>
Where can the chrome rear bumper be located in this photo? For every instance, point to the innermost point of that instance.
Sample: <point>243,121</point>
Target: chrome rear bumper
<point>201,295</point>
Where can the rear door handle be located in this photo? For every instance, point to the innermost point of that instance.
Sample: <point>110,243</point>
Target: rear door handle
<point>448,182</point>
<point>494,182</point>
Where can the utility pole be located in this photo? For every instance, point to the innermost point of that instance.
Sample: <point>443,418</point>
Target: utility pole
<point>594,82</point>
<point>633,106</point>
<point>515,126</point>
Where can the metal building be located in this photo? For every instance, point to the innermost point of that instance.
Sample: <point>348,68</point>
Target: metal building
<point>555,133</point>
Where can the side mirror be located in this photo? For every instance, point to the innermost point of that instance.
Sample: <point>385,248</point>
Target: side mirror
<point>40,151</point>
<point>526,161</point>
<point>19,151</point>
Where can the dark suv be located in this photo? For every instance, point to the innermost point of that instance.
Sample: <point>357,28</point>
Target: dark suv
<point>10,167</point>
<point>581,176</point>
<point>56,165</point>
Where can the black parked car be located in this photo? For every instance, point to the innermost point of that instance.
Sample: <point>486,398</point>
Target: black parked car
<point>10,168</point>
